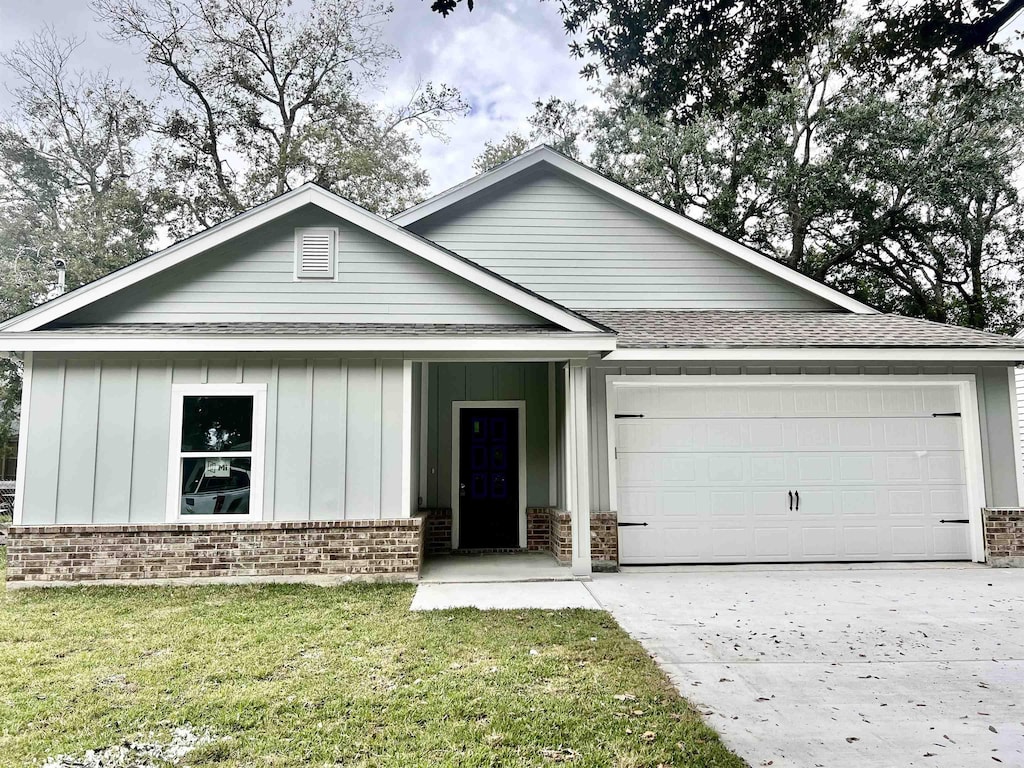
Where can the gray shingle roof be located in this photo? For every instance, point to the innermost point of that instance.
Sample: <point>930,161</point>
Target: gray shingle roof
<point>302,329</point>
<point>664,329</point>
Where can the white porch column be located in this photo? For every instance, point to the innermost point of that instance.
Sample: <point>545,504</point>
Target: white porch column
<point>578,471</point>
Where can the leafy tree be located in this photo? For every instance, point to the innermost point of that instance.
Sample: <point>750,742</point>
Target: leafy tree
<point>70,184</point>
<point>262,97</point>
<point>558,123</point>
<point>684,57</point>
<point>907,198</point>
<point>497,152</point>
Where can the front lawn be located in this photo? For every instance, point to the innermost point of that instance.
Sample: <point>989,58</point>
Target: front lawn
<point>347,676</point>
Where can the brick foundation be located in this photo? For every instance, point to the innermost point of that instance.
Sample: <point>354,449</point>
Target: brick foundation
<point>437,531</point>
<point>1004,537</point>
<point>378,550</point>
<point>538,529</point>
<point>604,540</point>
<point>550,530</point>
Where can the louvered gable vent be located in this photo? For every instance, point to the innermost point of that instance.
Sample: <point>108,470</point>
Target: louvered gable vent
<point>315,252</point>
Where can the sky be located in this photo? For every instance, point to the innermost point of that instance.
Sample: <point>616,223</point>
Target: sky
<point>502,57</point>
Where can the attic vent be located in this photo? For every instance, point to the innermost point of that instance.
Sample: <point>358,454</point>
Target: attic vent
<point>314,252</point>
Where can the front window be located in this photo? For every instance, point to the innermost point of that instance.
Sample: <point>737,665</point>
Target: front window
<point>215,459</point>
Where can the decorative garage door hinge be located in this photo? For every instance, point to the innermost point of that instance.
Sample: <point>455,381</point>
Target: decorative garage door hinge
<point>630,525</point>
<point>951,413</point>
<point>629,415</point>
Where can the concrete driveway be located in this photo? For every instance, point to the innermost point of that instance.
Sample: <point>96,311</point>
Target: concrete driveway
<point>888,667</point>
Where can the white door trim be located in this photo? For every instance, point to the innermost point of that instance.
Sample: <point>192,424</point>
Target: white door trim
<point>970,421</point>
<point>520,407</point>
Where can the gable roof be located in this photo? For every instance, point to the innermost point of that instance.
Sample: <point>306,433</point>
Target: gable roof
<point>307,194</point>
<point>546,155</point>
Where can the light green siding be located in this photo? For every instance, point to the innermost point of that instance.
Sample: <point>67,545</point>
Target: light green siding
<point>99,437</point>
<point>251,279</point>
<point>994,403</point>
<point>451,382</point>
<point>564,240</point>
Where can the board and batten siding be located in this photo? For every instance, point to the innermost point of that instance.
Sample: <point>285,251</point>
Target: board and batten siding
<point>558,237</point>
<point>97,450</point>
<point>994,401</point>
<point>451,382</point>
<point>252,279</point>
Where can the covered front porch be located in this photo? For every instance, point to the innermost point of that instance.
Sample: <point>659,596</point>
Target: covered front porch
<point>501,470</point>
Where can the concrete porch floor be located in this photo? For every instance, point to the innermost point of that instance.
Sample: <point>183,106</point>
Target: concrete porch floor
<point>499,582</point>
<point>506,567</point>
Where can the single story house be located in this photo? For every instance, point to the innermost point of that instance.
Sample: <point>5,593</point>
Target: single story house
<point>538,358</point>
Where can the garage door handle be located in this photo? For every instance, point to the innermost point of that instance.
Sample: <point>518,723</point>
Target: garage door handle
<point>790,500</point>
<point>965,521</point>
<point>798,501</point>
<point>630,525</point>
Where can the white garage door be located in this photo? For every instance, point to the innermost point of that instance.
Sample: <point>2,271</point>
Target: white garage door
<point>733,474</point>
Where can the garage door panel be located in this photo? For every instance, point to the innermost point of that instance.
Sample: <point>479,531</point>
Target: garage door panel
<point>659,400</point>
<point>772,542</point>
<point>910,541</point>
<point>710,473</point>
<point>810,435</point>
<point>681,469</point>
<point>950,540</point>
<point>860,541</point>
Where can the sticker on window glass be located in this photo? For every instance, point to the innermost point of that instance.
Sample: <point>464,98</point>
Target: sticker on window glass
<point>218,468</point>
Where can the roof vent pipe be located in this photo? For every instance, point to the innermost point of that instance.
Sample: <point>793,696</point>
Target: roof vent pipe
<point>61,266</point>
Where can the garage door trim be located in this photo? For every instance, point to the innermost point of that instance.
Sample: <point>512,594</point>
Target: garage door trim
<point>965,383</point>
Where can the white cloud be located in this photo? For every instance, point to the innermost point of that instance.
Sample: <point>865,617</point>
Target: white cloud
<point>503,56</point>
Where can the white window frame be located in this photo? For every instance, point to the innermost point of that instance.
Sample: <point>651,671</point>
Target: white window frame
<point>297,273</point>
<point>179,392</point>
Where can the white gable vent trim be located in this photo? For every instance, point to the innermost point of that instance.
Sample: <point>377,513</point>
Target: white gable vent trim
<point>315,252</point>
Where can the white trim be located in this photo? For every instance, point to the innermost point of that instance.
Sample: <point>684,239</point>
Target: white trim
<point>960,354</point>
<point>258,392</point>
<point>543,154</point>
<point>568,444</point>
<point>307,194</point>
<point>612,449</point>
<point>552,439</point>
<point>970,420</point>
<point>579,434</point>
<point>424,428</point>
<point>1011,373</point>
<point>408,502</point>
<point>72,342</point>
<point>457,407</point>
<point>23,418</point>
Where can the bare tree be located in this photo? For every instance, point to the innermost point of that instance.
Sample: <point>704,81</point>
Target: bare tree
<point>262,97</point>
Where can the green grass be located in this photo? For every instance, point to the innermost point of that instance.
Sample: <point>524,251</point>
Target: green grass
<point>291,675</point>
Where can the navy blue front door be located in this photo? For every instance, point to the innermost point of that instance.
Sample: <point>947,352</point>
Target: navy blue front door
<point>488,478</point>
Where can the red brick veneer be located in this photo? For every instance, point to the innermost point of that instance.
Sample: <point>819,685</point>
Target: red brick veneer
<point>1004,537</point>
<point>437,536</point>
<point>390,550</point>
<point>550,530</point>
